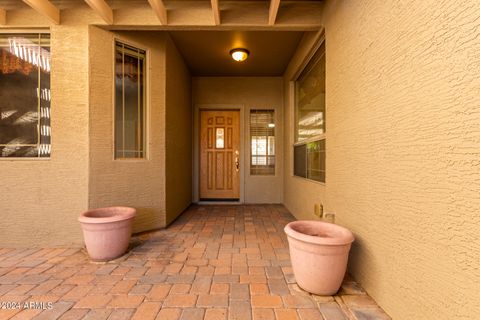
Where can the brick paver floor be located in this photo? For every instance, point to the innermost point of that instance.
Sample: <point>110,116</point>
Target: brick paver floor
<point>213,262</point>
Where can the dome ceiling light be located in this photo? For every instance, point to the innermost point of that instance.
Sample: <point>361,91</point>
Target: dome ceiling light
<point>239,54</point>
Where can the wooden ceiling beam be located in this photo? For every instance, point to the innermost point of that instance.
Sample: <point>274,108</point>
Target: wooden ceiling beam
<point>45,8</point>
<point>216,12</point>
<point>272,12</point>
<point>3,16</point>
<point>102,9</point>
<point>159,9</point>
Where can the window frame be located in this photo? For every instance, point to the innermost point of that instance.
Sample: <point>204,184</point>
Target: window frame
<point>40,31</point>
<point>146,100</point>
<point>303,66</point>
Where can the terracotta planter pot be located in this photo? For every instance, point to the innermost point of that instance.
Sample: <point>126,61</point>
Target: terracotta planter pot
<point>319,254</point>
<point>107,231</point>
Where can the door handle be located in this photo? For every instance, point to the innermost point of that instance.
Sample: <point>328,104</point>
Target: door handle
<point>237,163</point>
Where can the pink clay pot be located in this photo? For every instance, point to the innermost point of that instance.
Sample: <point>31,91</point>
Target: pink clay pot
<point>319,254</point>
<point>107,231</point>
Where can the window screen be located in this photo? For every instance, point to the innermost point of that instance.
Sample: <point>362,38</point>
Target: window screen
<point>262,141</point>
<point>316,160</point>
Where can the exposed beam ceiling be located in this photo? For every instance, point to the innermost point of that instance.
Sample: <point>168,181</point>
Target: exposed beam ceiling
<point>102,8</point>
<point>45,8</point>
<point>216,12</point>
<point>160,10</point>
<point>272,12</point>
<point>175,15</point>
<point>3,16</point>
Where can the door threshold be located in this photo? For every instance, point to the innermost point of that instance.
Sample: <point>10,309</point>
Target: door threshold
<point>220,199</point>
<point>219,202</point>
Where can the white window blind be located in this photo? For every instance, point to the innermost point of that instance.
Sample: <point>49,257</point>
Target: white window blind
<point>262,142</point>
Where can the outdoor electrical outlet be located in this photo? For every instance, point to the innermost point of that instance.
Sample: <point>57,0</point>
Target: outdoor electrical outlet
<point>318,210</point>
<point>330,217</point>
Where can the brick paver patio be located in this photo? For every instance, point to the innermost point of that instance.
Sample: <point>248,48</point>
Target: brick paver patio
<point>214,262</point>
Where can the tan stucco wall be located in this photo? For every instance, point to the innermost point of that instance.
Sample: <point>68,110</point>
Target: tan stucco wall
<point>40,200</point>
<point>178,133</point>
<point>250,93</point>
<point>137,183</point>
<point>43,198</point>
<point>403,146</point>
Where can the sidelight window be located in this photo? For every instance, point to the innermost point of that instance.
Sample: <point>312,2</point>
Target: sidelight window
<point>129,102</point>
<point>262,138</point>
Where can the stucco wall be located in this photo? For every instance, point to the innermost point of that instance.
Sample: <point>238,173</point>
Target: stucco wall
<point>403,147</point>
<point>251,93</point>
<point>43,198</point>
<point>40,200</point>
<point>178,133</point>
<point>137,183</point>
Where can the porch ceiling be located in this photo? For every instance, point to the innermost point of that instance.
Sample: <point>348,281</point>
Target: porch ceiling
<point>170,14</point>
<point>207,52</point>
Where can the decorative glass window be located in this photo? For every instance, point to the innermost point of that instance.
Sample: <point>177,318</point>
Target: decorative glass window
<point>129,102</point>
<point>309,147</point>
<point>25,95</point>
<point>220,138</point>
<point>262,138</point>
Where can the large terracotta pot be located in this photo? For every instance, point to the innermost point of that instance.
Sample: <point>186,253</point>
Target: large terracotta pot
<point>319,254</point>
<point>107,231</point>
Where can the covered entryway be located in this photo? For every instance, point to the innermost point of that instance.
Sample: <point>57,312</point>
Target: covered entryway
<point>253,171</point>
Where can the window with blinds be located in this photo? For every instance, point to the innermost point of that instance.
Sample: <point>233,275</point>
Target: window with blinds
<point>262,142</point>
<point>129,101</point>
<point>25,95</point>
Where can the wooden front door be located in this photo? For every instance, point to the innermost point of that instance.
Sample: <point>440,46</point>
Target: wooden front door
<point>219,155</point>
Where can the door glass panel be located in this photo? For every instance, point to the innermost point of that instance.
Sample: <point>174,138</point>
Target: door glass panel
<point>220,138</point>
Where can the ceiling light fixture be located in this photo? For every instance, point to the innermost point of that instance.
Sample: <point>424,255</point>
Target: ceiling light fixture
<point>239,54</point>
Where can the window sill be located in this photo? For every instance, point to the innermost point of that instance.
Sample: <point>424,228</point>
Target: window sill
<point>312,139</point>
<point>130,160</point>
<point>309,180</point>
<point>24,159</point>
<point>263,175</point>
